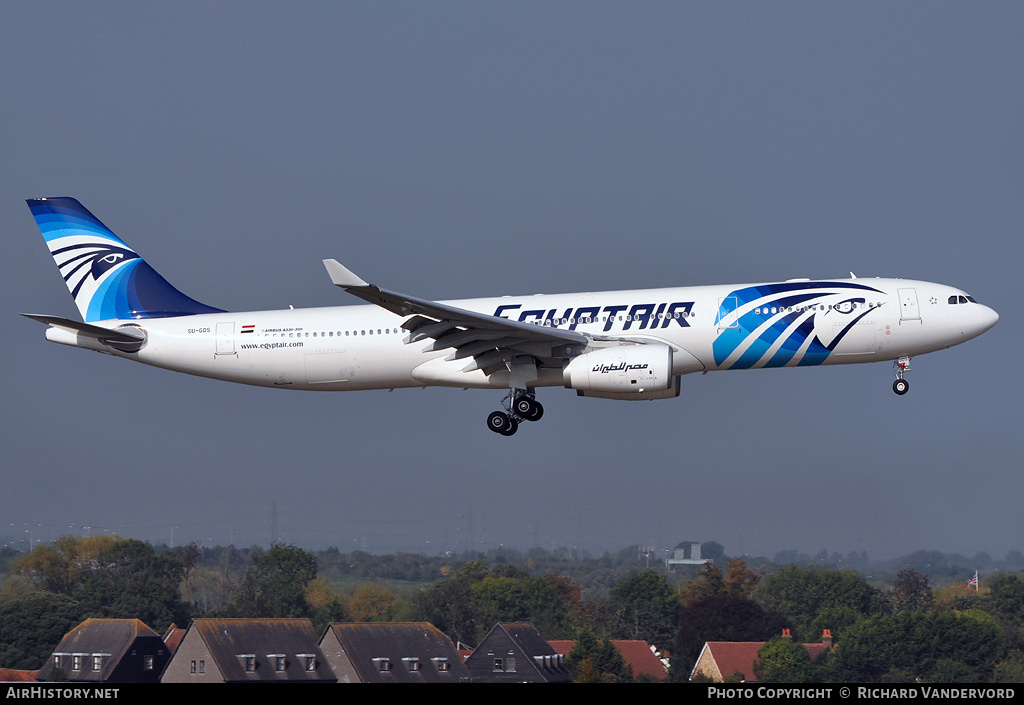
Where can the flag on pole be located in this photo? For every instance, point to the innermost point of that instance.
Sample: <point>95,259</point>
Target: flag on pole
<point>973,582</point>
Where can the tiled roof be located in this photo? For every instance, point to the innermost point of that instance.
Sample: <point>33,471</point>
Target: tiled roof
<point>735,657</point>
<point>109,637</point>
<point>173,637</point>
<point>740,656</point>
<point>636,653</point>
<point>11,675</point>
<point>231,640</point>
<point>400,644</point>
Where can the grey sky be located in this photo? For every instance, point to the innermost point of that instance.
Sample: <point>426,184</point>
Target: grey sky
<point>456,150</point>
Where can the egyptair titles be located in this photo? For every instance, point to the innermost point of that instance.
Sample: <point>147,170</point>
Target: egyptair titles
<point>644,316</point>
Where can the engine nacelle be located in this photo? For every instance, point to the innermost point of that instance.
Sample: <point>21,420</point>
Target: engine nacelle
<point>624,372</point>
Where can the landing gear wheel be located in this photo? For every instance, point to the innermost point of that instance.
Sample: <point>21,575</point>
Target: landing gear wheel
<point>901,386</point>
<point>523,406</point>
<point>498,421</point>
<point>528,409</point>
<point>538,411</point>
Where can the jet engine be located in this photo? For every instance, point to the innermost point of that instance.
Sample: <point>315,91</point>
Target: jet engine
<point>623,372</point>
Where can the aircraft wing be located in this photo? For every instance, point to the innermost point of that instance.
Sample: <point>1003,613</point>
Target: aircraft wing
<point>490,341</point>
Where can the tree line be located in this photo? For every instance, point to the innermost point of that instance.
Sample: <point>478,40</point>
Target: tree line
<point>906,630</point>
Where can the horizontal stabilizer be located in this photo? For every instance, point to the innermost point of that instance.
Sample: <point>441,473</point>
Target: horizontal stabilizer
<point>127,339</point>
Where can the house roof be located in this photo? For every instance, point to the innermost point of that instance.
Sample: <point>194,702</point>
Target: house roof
<point>416,651</point>
<point>110,638</point>
<point>740,656</point>
<point>640,656</point>
<point>527,638</point>
<point>543,661</point>
<point>734,657</point>
<point>231,641</point>
<point>13,675</point>
<point>173,637</point>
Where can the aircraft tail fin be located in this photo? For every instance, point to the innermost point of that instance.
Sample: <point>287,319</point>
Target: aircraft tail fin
<point>106,278</point>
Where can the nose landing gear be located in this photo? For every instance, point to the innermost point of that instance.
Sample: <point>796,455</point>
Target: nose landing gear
<point>519,406</point>
<point>901,386</point>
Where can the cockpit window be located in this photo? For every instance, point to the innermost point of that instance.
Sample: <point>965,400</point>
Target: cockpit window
<point>961,299</point>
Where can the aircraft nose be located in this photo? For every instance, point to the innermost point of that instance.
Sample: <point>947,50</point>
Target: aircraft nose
<point>989,318</point>
<point>983,318</point>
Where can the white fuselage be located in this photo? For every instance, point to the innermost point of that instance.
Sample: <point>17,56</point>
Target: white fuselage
<point>708,327</point>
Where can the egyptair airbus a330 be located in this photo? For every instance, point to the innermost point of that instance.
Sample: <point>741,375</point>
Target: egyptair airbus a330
<point>614,344</point>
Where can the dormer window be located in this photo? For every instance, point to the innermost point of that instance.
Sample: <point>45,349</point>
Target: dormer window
<point>383,664</point>
<point>248,662</point>
<point>508,665</point>
<point>413,664</point>
<point>441,664</point>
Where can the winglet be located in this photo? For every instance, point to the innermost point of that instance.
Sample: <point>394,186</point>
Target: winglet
<point>340,276</point>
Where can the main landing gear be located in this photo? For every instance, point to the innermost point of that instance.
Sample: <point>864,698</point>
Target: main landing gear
<point>519,406</point>
<point>901,386</point>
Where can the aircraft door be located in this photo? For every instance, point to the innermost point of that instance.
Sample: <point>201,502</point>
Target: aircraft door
<point>909,310</point>
<point>226,338</point>
<point>727,317</point>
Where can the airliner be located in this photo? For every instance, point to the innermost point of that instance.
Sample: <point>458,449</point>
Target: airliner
<point>626,345</point>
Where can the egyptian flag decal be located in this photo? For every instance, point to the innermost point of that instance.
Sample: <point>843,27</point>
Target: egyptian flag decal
<point>248,329</point>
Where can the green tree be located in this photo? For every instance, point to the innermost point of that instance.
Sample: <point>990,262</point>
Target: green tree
<point>712,550</point>
<point>474,598</point>
<point>1010,669</point>
<point>922,644</point>
<point>448,604</point>
<point>739,579</point>
<point>31,625</point>
<point>524,599</point>
<point>325,604</point>
<point>275,584</point>
<point>1006,598</point>
<point>709,582</point>
<point>911,591</point>
<point>802,594</point>
<point>593,660</point>
<point>62,566</point>
<point>643,606</point>
<point>131,581</point>
<point>784,661</point>
<point>109,577</point>
<point>376,603</point>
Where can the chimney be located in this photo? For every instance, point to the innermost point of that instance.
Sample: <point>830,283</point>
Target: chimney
<point>826,639</point>
<point>786,634</point>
